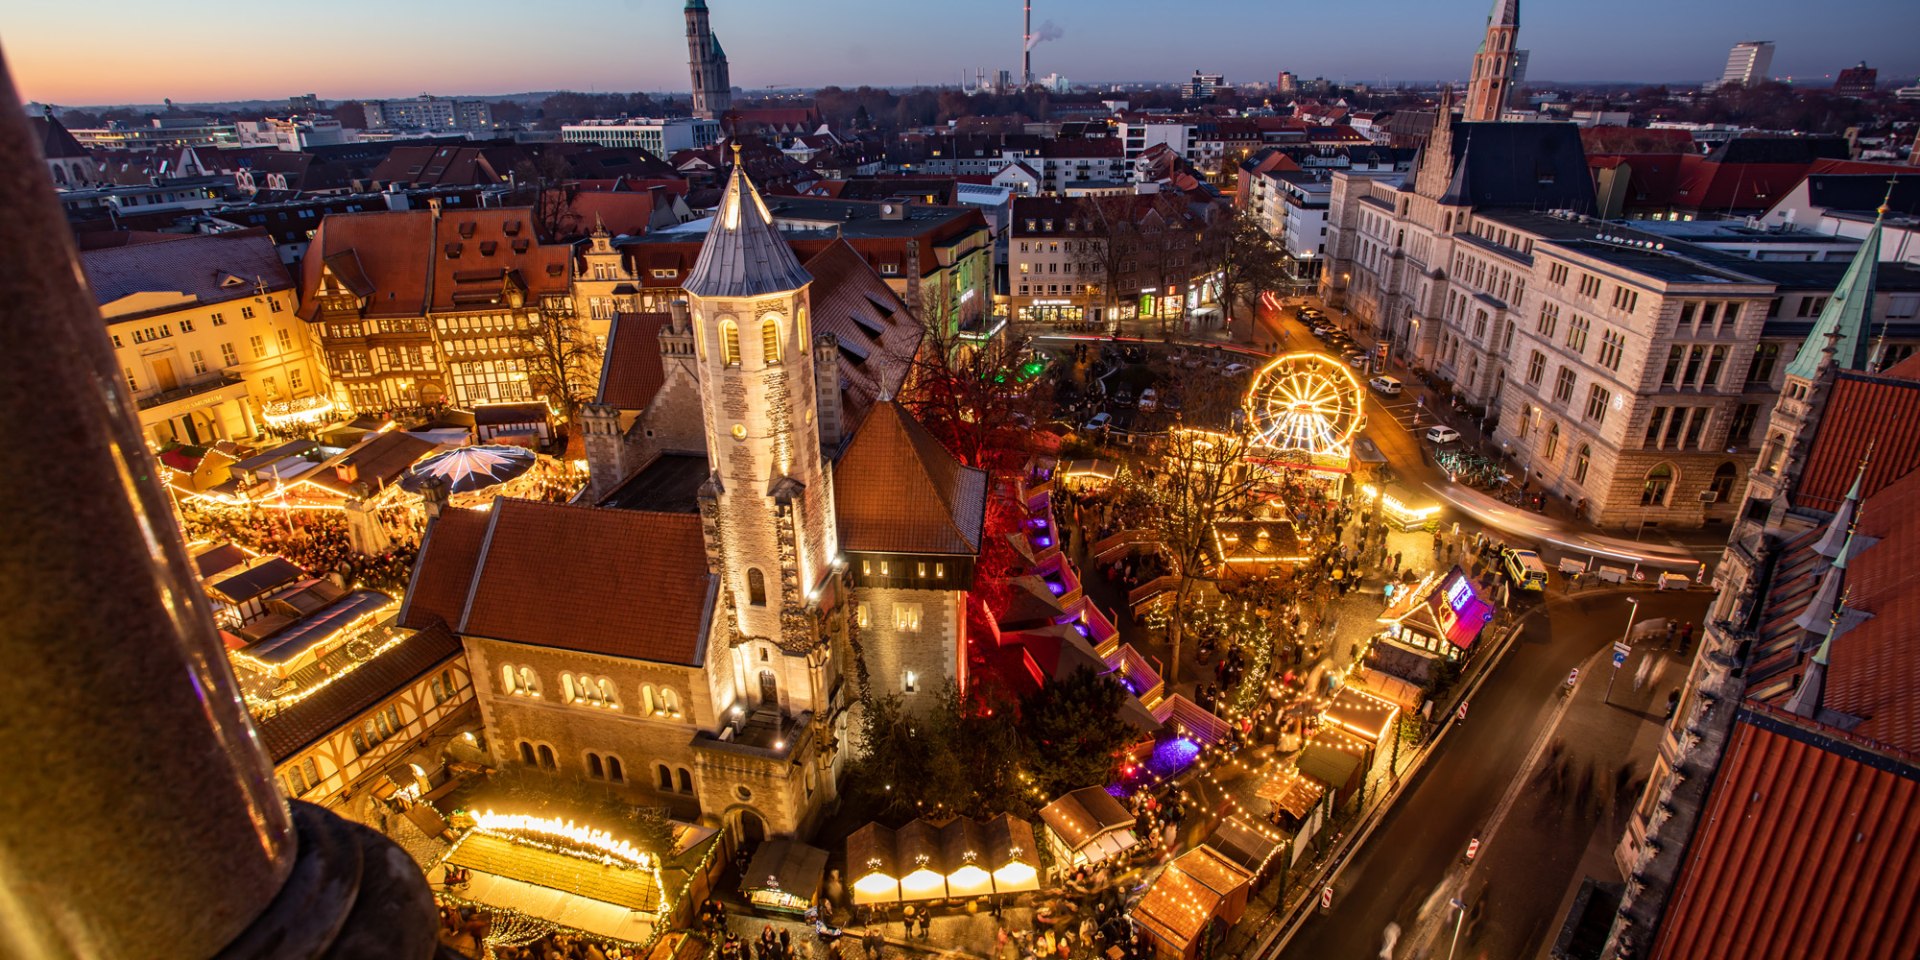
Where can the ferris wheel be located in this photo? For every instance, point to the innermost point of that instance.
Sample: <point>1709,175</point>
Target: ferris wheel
<point>1305,403</point>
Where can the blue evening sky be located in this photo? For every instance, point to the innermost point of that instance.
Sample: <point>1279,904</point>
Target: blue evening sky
<point>104,51</point>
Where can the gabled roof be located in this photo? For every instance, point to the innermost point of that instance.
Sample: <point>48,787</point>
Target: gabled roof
<point>405,263</point>
<point>744,254</point>
<point>897,490</point>
<point>633,372</point>
<point>209,268</point>
<point>620,583</point>
<point>444,570</point>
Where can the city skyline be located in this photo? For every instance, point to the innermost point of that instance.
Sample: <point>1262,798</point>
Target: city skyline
<point>854,42</point>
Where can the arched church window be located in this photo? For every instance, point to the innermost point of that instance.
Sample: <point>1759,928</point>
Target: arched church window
<point>729,343</point>
<point>770,340</point>
<point>756,587</point>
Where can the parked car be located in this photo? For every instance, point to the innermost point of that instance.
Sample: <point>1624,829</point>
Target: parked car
<point>1234,369</point>
<point>1149,399</point>
<point>1100,421</point>
<point>1524,568</point>
<point>1387,385</point>
<point>1442,434</point>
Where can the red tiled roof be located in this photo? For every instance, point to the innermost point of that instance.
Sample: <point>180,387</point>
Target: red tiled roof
<point>364,687</point>
<point>444,570</point>
<point>878,335</point>
<point>632,372</point>
<point>1880,410</point>
<point>473,254</point>
<point>620,583</point>
<point>897,490</point>
<point>1803,854</point>
<point>1876,665</point>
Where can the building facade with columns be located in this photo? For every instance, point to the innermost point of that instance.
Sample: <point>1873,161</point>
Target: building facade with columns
<point>696,632</point>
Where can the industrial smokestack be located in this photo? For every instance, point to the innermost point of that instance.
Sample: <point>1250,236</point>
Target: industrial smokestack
<point>1026,49</point>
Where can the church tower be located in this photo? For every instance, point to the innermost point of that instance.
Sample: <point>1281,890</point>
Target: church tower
<point>1495,64</point>
<point>1840,340</point>
<point>712,88</point>
<point>768,503</point>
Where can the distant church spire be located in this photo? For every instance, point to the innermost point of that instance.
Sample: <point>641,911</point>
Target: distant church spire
<point>1494,64</point>
<point>712,88</point>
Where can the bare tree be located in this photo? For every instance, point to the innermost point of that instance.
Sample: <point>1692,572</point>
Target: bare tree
<point>565,366</point>
<point>1108,255</point>
<point>979,396</point>
<point>545,185</point>
<point>1246,261</point>
<point>1204,476</point>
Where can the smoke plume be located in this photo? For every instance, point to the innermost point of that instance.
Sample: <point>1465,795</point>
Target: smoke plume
<point>1048,31</point>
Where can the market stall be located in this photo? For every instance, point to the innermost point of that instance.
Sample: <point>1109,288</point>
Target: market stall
<point>784,876</point>
<point>1401,508</point>
<point>957,860</point>
<point>562,873</point>
<point>1442,614</point>
<point>1360,713</point>
<point>1253,846</point>
<point>1087,826</point>
<point>1192,903</point>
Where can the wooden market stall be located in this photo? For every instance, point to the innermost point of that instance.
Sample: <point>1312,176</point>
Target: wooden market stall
<point>1088,826</point>
<point>784,876</point>
<point>960,859</point>
<point>1192,903</point>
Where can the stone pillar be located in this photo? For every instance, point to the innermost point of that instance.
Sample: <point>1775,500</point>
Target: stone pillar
<point>140,817</point>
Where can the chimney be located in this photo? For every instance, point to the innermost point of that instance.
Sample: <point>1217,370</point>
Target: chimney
<point>682,320</point>
<point>826,390</point>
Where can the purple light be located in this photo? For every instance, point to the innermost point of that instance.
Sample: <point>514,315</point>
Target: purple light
<point>1057,588</point>
<point>1172,756</point>
<point>1082,628</point>
<point>1043,541</point>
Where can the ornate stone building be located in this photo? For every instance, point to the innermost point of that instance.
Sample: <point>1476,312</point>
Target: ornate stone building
<point>771,538</point>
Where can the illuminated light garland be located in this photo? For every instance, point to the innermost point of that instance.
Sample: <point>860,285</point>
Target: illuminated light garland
<point>301,411</point>
<point>512,825</point>
<point>263,707</point>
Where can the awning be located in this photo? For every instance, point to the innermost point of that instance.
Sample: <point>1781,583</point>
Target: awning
<point>961,858</point>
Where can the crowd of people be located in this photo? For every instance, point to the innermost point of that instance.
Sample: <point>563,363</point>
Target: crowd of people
<point>313,540</point>
<point>466,930</point>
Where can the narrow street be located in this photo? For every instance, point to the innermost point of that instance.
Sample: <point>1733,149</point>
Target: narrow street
<point>1412,864</point>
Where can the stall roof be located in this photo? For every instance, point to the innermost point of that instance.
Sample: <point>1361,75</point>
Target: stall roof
<point>788,866</point>
<point>1360,713</point>
<point>1329,761</point>
<point>1246,844</point>
<point>1188,894</point>
<point>271,573</point>
<point>1389,687</point>
<point>870,851</point>
<point>1291,790</point>
<point>630,888</point>
<point>1081,816</point>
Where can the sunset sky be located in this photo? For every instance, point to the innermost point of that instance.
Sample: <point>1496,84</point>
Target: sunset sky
<point>116,51</point>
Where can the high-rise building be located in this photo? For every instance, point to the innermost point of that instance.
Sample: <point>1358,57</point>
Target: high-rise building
<point>712,90</point>
<point>1857,81</point>
<point>1202,86</point>
<point>1496,64</point>
<point>1286,82</point>
<point>1747,64</point>
<point>1514,98</point>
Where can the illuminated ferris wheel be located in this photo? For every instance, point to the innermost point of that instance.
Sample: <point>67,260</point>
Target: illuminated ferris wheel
<point>1307,404</point>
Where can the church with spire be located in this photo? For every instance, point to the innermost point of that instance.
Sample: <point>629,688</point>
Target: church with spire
<point>768,539</point>
<point>1496,65</point>
<point>707,62</point>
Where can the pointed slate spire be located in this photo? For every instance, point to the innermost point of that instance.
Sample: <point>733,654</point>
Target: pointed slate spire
<point>1807,700</point>
<point>1847,315</point>
<point>1826,597</point>
<point>1839,533</point>
<point>744,255</point>
<point>1506,13</point>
